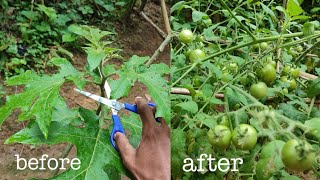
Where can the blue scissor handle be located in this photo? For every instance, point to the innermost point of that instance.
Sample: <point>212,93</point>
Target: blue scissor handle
<point>134,108</point>
<point>117,127</point>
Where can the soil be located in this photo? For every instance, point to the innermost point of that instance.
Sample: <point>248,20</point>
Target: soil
<point>137,37</point>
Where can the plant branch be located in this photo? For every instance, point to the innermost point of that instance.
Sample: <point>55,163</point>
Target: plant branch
<point>264,39</point>
<point>165,17</point>
<point>143,15</point>
<point>159,50</point>
<point>239,22</point>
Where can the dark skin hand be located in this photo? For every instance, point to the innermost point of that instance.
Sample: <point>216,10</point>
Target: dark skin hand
<point>151,159</point>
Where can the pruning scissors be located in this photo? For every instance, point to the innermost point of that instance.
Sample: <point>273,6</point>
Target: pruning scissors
<point>115,107</point>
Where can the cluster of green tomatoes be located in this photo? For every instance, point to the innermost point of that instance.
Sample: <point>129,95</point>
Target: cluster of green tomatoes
<point>297,155</point>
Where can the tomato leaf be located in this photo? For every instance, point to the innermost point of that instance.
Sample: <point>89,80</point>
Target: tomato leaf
<point>189,106</point>
<point>291,112</point>
<point>308,29</point>
<point>313,88</point>
<point>315,124</point>
<point>40,95</point>
<point>197,16</point>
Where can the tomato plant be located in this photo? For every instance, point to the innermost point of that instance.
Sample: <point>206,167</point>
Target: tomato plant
<point>258,77</point>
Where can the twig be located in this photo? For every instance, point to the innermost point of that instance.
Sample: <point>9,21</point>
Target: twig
<point>159,50</point>
<point>165,17</point>
<point>307,75</point>
<point>143,15</point>
<point>64,154</point>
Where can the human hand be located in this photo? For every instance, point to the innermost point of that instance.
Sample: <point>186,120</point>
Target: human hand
<point>151,159</point>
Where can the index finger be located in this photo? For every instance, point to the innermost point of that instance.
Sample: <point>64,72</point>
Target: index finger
<point>146,112</point>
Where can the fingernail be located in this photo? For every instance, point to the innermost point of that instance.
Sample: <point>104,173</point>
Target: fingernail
<point>138,97</point>
<point>115,136</point>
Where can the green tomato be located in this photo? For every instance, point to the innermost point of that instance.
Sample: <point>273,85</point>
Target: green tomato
<point>259,90</point>
<point>255,46</point>
<point>263,46</point>
<point>293,84</point>
<point>295,73</point>
<point>207,22</point>
<point>285,91</point>
<point>286,69</point>
<point>273,63</point>
<point>299,49</point>
<point>244,80</point>
<point>284,79</point>
<point>244,137</point>
<point>196,55</point>
<point>200,39</point>
<point>186,36</point>
<point>226,77</point>
<point>196,81</point>
<point>187,53</point>
<point>297,155</point>
<point>268,74</point>
<point>219,136</point>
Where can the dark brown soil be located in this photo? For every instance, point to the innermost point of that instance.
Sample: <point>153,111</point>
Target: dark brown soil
<point>138,37</point>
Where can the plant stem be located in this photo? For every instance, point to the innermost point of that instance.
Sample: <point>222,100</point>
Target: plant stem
<point>165,17</point>
<point>264,39</point>
<point>159,50</point>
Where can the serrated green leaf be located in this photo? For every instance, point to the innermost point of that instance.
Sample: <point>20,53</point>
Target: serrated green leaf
<point>159,91</point>
<point>160,69</point>
<point>135,70</point>
<point>40,95</point>
<point>121,86</point>
<point>99,160</point>
<point>189,106</point>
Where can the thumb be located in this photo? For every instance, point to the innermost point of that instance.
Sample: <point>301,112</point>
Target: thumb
<point>126,150</point>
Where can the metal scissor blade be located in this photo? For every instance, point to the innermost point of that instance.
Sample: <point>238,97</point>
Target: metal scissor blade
<point>111,103</point>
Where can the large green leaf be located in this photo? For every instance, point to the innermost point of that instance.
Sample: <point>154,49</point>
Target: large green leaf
<point>152,77</point>
<point>99,160</point>
<point>294,8</point>
<point>41,94</point>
